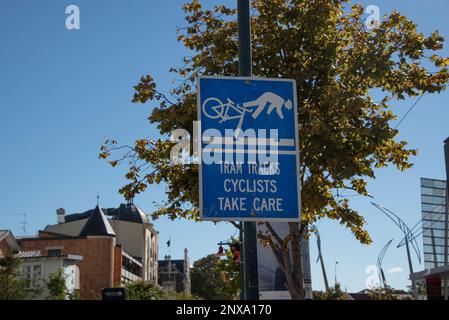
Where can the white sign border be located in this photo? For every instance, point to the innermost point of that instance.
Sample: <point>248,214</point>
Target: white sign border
<point>199,148</point>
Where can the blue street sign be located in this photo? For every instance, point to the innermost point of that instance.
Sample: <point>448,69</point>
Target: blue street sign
<point>249,154</point>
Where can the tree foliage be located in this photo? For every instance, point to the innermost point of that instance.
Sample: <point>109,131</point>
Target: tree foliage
<point>334,293</point>
<point>382,293</point>
<point>338,64</point>
<point>56,287</point>
<point>12,286</point>
<point>139,290</point>
<point>214,278</point>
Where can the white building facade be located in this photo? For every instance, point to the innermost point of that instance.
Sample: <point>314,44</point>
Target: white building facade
<point>38,268</point>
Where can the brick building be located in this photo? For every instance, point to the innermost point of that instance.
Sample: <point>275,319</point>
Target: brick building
<point>37,266</point>
<point>104,262</point>
<point>133,232</point>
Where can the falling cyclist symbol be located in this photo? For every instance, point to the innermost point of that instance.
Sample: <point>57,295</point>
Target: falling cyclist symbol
<point>214,108</point>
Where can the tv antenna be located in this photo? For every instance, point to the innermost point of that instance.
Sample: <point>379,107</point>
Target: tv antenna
<point>23,223</point>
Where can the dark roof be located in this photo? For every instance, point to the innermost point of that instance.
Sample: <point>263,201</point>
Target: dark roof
<point>97,225</point>
<point>360,296</point>
<point>125,212</point>
<point>78,216</point>
<point>128,212</point>
<point>178,264</point>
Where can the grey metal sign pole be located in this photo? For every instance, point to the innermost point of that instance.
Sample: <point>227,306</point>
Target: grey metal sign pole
<point>446,220</point>
<point>249,246</point>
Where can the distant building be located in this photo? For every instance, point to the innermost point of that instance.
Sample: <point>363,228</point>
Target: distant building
<point>365,295</point>
<point>7,243</point>
<point>174,275</point>
<point>133,232</point>
<point>435,213</point>
<point>433,204</point>
<point>38,267</point>
<point>361,295</point>
<point>104,262</point>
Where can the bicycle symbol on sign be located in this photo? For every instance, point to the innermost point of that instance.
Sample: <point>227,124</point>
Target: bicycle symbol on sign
<point>214,108</point>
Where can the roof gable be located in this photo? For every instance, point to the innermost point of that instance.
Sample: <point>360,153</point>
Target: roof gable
<point>10,240</point>
<point>97,225</point>
<point>176,265</point>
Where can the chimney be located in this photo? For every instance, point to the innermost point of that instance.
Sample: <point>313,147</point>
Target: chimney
<point>60,214</point>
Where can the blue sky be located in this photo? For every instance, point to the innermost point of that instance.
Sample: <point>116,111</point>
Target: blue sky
<point>63,92</point>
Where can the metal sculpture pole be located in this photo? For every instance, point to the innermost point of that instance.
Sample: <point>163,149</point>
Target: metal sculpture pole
<point>410,266</point>
<point>409,240</point>
<point>380,259</point>
<point>320,257</point>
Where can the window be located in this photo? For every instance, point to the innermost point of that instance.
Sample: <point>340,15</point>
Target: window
<point>26,272</point>
<point>54,252</point>
<point>169,285</point>
<point>430,217</point>
<point>33,273</point>
<point>430,257</point>
<point>37,275</point>
<point>433,241</point>
<point>433,200</point>
<point>434,208</point>
<point>433,224</point>
<point>431,183</point>
<point>433,233</point>
<point>433,249</point>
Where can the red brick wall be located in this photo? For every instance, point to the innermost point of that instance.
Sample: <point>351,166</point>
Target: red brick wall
<point>118,266</point>
<point>97,266</point>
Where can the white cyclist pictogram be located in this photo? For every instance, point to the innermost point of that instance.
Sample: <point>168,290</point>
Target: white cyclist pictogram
<point>214,108</point>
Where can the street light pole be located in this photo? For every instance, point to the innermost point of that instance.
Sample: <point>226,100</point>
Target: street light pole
<point>249,275</point>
